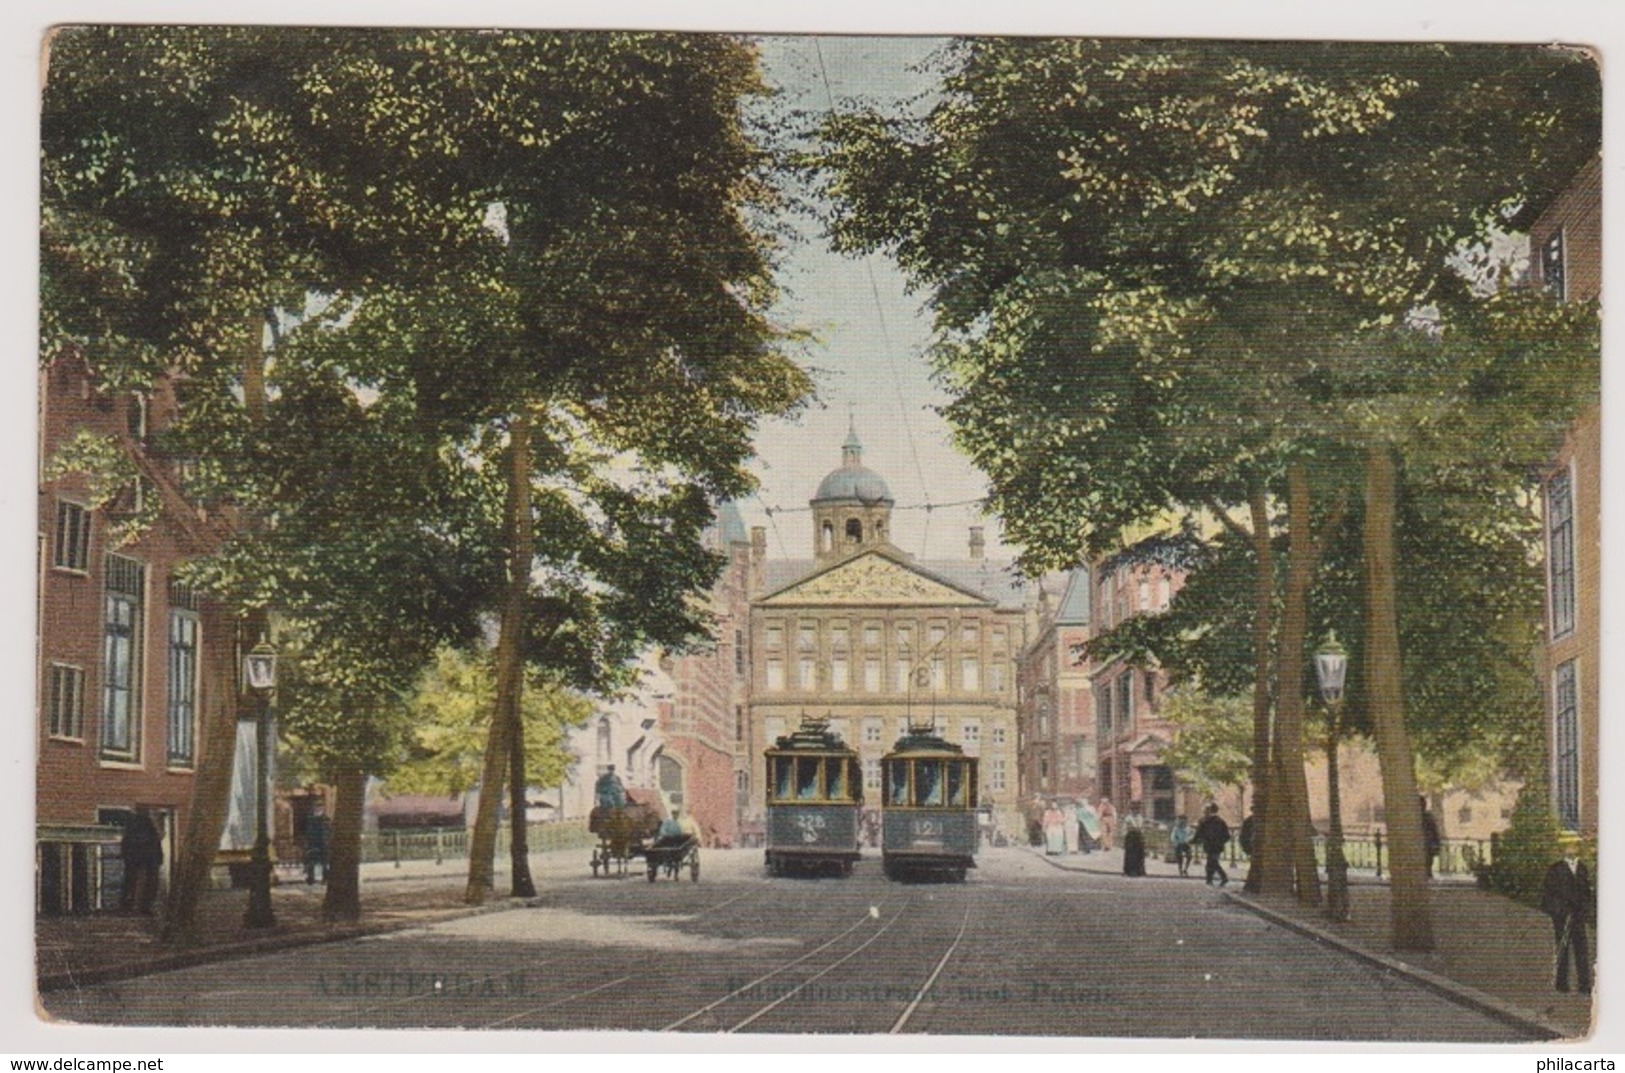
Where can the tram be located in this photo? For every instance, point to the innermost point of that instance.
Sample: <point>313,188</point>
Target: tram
<point>928,808</point>
<point>814,796</point>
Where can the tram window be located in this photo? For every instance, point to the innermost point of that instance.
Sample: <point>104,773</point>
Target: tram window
<point>928,782</point>
<point>835,779</point>
<point>807,778</point>
<point>782,770</point>
<point>855,781</point>
<point>897,787</point>
<point>957,784</point>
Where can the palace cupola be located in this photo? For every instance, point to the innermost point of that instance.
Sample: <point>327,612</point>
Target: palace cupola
<point>852,510</point>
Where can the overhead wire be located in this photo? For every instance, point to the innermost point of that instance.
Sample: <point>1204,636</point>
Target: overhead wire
<point>885,339</point>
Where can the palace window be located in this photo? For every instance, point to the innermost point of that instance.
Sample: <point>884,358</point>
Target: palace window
<point>837,674</point>
<point>995,676</point>
<point>775,674</point>
<point>871,675</point>
<point>775,635</point>
<point>806,673</point>
<point>971,674</point>
<point>871,634</point>
<point>872,729</point>
<point>970,733</point>
<point>995,775</point>
<point>72,548</point>
<point>998,735</point>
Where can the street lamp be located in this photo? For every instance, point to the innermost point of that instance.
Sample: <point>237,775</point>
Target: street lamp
<point>259,671</point>
<point>1331,668</point>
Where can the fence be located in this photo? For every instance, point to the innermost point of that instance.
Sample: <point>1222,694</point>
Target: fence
<point>1457,856</point>
<point>438,843</point>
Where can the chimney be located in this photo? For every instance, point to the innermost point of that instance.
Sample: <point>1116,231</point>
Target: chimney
<point>758,557</point>
<point>976,543</point>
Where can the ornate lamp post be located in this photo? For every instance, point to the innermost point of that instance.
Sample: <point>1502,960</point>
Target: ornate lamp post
<point>259,670</point>
<point>1331,668</point>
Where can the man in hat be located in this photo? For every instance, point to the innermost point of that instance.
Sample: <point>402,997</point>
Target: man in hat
<point>609,791</point>
<point>1565,896</point>
<point>1213,834</point>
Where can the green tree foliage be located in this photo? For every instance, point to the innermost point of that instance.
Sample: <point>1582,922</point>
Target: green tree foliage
<point>450,711</point>
<point>1170,274</point>
<point>1213,745</point>
<point>554,225</point>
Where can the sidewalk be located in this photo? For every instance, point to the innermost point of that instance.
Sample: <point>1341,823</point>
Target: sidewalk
<point>83,950</point>
<point>1490,951</point>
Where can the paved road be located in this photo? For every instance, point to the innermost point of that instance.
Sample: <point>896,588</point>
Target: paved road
<point>1020,948</point>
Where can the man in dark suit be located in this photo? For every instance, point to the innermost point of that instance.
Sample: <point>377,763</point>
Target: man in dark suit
<point>1565,896</point>
<point>1213,834</point>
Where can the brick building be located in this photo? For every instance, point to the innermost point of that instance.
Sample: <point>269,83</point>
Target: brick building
<point>703,730</point>
<point>1056,698</point>
<point>1565,243</point>
<point>128,657</point>
<point>1130,731</point>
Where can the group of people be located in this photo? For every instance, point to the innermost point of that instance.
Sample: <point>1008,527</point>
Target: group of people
<point>1081,828</point>
<point>1078,828</point>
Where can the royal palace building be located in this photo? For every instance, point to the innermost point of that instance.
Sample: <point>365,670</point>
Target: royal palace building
<point>875,640</point>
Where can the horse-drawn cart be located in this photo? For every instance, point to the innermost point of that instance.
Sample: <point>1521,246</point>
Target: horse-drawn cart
<point>622,834</point>
<point>672,855</point>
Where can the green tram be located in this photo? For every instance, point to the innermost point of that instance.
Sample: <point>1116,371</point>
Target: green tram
<point>814,796</point>
<point>928,808</point>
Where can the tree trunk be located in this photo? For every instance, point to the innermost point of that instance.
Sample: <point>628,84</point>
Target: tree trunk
<point>211,789</point>
<point>343,898</point>
<point>510,667</point>
<point>519,844</point>
<point>1412,910</point>
<point>211,781</point>
<point>1258,878</point>
<point>1290,801</point>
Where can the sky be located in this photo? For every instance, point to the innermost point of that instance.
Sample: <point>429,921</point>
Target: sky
<point>870,336</point>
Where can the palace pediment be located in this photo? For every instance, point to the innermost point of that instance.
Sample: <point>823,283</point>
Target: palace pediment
<point>874,578</point>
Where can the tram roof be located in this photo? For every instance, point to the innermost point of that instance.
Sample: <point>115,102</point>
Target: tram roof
<point>811,738</point>
<point>921,741</point>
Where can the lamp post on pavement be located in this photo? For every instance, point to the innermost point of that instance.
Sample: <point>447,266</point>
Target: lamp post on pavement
<point>1331,669</point>
<point>259,670</point>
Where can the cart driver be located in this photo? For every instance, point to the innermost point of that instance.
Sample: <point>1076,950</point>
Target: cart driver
<point>677,828</point>
<point>609,790</point>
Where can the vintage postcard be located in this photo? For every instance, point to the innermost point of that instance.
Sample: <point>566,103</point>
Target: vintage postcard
<point>1083,535</point>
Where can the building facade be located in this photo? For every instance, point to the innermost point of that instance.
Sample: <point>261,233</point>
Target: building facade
<point>1565,244</point>
<point>129,657</point>
<point>1130,731</point>
<point>872,639</point>
<point>1057,712</point>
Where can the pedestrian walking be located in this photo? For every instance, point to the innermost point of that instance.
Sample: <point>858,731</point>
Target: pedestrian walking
<point>142,851</point>
<point>1054,831</point>
<point>1108,822</point>
<point>318,831</point>
<point>1180,839</point>
<point>1430,836</point>
<point>1069,824</point>
<point>1133,850</point>
<point>1088,821</point>
<point>1213,834</point>
<point>1565,896</point>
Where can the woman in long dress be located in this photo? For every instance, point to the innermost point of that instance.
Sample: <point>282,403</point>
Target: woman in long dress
<point>1054,831</point>
<point>1108,822</point>
<point>1088,821</point>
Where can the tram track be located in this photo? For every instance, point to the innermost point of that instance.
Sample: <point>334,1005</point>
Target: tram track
<point>351,1016</point>
<point>869,915</point>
